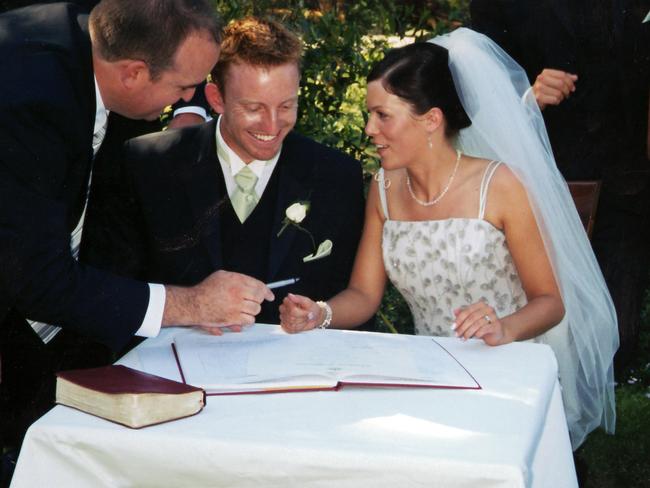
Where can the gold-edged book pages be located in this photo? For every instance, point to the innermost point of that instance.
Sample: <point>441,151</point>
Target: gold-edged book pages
<point>127,396</point>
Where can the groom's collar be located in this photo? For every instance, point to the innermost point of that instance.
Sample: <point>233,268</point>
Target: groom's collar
<point>231,160</point>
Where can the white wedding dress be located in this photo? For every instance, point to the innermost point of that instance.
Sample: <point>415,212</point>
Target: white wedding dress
<point>507,125</point>
<point>441,265</point>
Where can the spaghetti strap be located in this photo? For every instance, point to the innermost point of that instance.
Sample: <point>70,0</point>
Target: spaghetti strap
<point>485,183</point>
<point>381,186</point>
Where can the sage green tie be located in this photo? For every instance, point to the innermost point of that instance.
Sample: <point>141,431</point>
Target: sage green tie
<point>244,197</point>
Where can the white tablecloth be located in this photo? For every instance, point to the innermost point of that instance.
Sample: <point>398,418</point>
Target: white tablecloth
<point>512,433</point>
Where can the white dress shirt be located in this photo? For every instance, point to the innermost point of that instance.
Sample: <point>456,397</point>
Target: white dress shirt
<point>231,164</point>
<point>193,109</point>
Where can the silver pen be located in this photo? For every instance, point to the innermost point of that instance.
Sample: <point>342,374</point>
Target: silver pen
<point>278,284</point>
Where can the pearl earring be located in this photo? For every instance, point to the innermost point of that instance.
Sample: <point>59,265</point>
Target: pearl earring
<point>429,142</point>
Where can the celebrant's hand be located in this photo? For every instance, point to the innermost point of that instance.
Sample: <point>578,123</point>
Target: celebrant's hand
<point>223,298</point>
<point>298,314</point>
<point>479,320</point>
<point>218,330</point>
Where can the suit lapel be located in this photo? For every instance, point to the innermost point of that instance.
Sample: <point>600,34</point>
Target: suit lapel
<point>84,75</point>
<point>84,81</point>
<point>204,194</point>
<point>293,185</point>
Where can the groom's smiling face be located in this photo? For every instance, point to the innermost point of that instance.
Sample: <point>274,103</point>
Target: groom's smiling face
<point>258,108</point>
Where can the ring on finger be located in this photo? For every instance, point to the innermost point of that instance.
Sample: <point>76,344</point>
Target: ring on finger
<point>487,319</point>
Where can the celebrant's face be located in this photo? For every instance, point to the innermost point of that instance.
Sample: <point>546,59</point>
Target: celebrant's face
<point>146,98</point>
<point>397,132</point>
<point>258,108</point>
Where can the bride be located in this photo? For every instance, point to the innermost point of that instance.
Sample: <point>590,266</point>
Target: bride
<point>487,246</point>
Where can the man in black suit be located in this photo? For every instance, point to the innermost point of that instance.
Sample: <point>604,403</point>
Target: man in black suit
<point>181,217</point>
<point>588,62</point>
<point>62,72</point>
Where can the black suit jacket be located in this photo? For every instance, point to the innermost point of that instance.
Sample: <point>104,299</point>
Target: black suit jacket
<point>47,112</point>
<point>599,131</point>
<point>164,226</point>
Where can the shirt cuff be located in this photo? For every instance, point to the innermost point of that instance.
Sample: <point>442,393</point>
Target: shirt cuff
<point>191,109</point>
<point>528,93</point>
<point>153,318</point>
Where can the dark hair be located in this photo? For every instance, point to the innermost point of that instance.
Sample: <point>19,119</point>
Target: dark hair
<point>150,30</point>
<point>419,74</point>
<point>258,42</point>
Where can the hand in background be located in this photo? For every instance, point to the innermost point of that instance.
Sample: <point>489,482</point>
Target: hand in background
<point>221,298</point>
<point>552,86</point>
<point>298,314</point>
<point>185,120</point>
<point>479,320</point>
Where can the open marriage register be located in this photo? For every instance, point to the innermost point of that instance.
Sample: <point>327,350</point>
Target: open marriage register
<point>264,359</point>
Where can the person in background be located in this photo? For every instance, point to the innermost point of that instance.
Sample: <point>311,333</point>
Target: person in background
<point>589,65</point>
<point>196,111</point>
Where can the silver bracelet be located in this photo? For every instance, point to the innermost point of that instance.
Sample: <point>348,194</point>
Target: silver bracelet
<point>328,315</point>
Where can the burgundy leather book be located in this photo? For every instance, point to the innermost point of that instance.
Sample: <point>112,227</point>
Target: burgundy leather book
<point>127,396</point>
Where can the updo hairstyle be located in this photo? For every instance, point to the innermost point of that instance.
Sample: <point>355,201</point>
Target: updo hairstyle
<point>419,74</point>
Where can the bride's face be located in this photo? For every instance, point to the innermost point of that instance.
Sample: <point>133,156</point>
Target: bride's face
<point>397,132</point>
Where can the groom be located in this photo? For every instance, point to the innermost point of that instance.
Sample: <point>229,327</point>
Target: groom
<point>215,196</point>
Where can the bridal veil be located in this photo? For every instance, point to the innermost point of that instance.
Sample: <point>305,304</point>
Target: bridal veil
<point>507,125</point>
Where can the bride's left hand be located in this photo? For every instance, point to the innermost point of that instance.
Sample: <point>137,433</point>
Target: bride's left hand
<point>479,320</point>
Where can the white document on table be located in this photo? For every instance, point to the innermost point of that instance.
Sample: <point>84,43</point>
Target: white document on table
<point>265,358</point>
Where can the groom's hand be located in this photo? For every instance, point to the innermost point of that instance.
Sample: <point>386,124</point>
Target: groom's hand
<point>223,298</point>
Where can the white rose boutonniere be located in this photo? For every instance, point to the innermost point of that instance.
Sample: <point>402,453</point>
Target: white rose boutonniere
<point>297,212</point>
<point>294,215</point>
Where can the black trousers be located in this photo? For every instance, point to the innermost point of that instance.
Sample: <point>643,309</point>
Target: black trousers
<point>28,373</point>
<point>620,242</point>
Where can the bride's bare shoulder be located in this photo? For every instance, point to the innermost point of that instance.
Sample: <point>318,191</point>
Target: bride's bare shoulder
<point>503,176</point>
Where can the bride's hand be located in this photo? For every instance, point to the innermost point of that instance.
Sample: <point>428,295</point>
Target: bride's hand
<point>298,314</point>
<point>479,320</point>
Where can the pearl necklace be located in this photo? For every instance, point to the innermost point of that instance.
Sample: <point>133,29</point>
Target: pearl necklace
<point>442,193</point>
